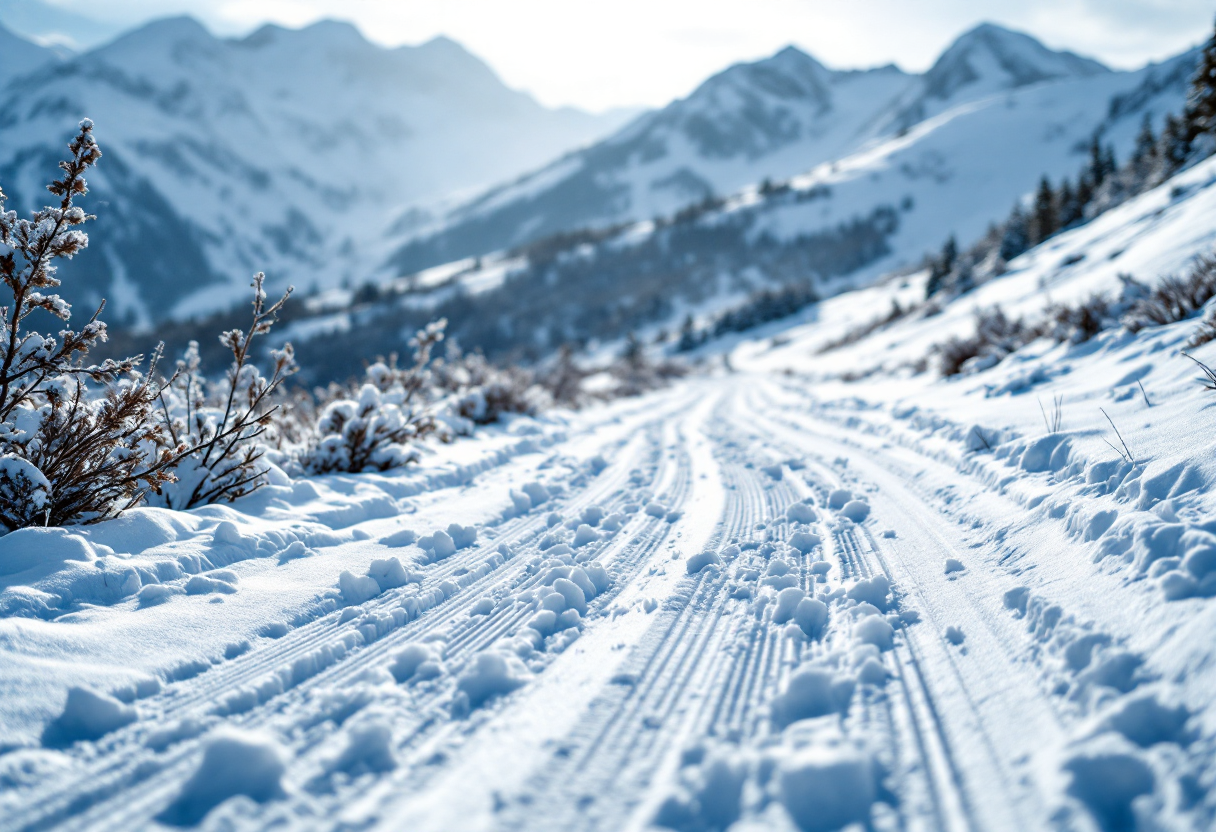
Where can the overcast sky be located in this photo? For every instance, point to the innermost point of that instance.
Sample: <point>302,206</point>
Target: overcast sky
<point>598,54</point>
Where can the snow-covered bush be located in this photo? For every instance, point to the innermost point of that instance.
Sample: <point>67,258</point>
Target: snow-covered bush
<point>372,428</point>
<point>222,425</point>
<point>996,335</point>
<point>67,454</point>
<point>481,392</point>
<point>1175,298</point>
<point>636,372</point>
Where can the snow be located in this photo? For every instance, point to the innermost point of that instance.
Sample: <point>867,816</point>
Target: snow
<point>790,595</point>
<point>234,763</point>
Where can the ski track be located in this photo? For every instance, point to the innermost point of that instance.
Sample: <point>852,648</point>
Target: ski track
<point>954,727</point>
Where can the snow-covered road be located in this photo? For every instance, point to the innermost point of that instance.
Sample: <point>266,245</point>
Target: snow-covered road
<point>733,607</point>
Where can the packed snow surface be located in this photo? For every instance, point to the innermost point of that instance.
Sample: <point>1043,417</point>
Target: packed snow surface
<point>779,597</point>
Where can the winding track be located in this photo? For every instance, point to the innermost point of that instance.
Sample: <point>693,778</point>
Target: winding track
<point>952,726</point>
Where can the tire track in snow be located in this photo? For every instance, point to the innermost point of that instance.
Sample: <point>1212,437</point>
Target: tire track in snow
<point>948,706</point>
<point>105,783</point>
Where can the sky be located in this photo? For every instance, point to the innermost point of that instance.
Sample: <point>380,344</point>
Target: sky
<point>600,54</point>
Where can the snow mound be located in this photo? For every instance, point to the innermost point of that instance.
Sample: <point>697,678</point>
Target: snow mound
<point>368,749</point>
<point>856,510</point>
<point>804,542</point>
<point>801,513</point>
<point>415,663</point>
<point>1107,776</point>
<point>488,675</point>
<point>701,560</point>
<point>825,788</point>
<point>234,763</point>
<point>811,692</point>
<point>87,715</point>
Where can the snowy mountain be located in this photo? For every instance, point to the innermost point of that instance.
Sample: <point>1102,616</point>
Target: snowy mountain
<point>771,119</point>
<point>18,56</point>
<point>839,226</point>
<point>288,151</point>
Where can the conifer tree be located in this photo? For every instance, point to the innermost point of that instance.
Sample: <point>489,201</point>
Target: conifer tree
<point>1070,207</point>
<point>1045,216</point>
<point>1016,238</point>
<point>1200,114</point>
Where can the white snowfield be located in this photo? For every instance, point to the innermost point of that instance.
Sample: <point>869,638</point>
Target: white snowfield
<point>767,599</point>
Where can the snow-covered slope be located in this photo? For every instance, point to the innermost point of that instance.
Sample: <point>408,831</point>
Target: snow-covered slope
<point>767,598</point>
<point>286,151</point>
<point>780,117</point>
<point>18,56</point>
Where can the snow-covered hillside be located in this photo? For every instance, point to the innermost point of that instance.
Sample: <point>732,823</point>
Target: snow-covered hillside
<point>292,152</point>
<point>805,591</point>
<point>1014,109</point>
<point>19,56</point>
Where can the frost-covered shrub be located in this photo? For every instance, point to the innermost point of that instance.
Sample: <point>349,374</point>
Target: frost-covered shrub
<point>1175,298</point>
<point>222,425</point>
<point>481,392</point>
<point>372,428</point>
<point>996,335</point>
<point>636,372</point>
<point>67,454</point>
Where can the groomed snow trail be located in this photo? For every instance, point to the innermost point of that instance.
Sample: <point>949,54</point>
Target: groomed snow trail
<point>735,610</point>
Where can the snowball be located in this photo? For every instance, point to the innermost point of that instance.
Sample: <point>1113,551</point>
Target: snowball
<point>838,498</point>
<point>656,509</point>
<point>592,515</point>
<point>773,471</point>
<point>856,510</point>
<point>876,630</point>
<point>234,763</point>
<point>87,715</point>
<point>825,788</point>
<point>954,565</point>
<point>701,560</point>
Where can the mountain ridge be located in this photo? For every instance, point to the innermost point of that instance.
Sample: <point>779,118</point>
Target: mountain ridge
<point>767,119</point>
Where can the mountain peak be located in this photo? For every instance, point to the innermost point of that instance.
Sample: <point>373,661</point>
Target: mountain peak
<point>18,55</point>
<point>159,35</point>
<point>990,58</point>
